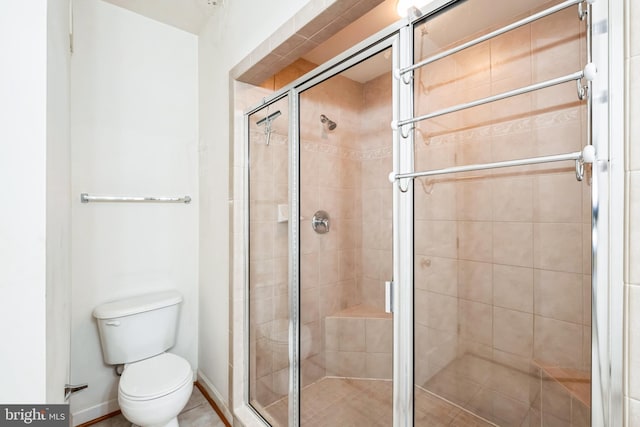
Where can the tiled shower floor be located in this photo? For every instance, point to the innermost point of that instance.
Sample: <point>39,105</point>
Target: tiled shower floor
<point>357,402</point>
<point>491,393</point>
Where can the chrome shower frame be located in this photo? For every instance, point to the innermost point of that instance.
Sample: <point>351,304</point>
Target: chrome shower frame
<point>607,215</point>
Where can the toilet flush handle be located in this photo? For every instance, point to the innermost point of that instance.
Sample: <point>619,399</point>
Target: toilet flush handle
<point>113,323</point>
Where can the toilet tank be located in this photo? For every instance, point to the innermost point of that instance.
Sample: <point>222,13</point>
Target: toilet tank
<point>137,328</point>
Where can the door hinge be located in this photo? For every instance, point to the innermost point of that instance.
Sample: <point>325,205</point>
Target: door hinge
<point>71,26</point>
<point>388,296</point>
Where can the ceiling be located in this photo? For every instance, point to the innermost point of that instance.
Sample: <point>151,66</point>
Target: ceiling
<point>188,15</point>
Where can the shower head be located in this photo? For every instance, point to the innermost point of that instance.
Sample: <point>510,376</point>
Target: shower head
<point>330,124</point>
<point>269,118</point>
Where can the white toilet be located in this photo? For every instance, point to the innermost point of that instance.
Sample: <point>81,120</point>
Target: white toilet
<point>154,386</point>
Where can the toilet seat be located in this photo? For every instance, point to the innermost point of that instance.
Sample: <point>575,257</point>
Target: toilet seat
<point>155,377</point>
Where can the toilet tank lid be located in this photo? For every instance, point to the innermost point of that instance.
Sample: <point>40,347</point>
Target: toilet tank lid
<point>137,304</point>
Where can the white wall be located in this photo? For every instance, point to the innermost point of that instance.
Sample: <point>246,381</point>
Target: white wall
<point>35,218</point>
<point>23,126</point>
<point>227,38</point>
<point>134,131</point>
<point>58,201</point>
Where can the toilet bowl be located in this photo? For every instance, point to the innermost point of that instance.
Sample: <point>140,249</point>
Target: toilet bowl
<point>153,391</point>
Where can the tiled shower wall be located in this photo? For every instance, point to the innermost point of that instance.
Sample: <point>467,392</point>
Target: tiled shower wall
<point>503,257</point>
<point>329,181</point>
<point>375,145</point>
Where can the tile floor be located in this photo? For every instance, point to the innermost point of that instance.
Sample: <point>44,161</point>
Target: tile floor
<point>196,413</point>
<point>492,394</point>
<point>350,402</point>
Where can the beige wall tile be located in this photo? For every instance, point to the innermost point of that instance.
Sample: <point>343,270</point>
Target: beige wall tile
<point>509,143</point>
<point>442,312</point>
<point>473,67</point>
<point>513,199</point>
<point>634,412</point>
<point>476,322</point>
<point>347,364</point>
<point>309,271</point>
<point>475,240</point>
<point>558,295</point>
<point>634,228</point>
<point>475,281</point>
<point>513,331</point>
<point>634,103</point>
<point>634,33</point>
<point>514,107</point>
<point>558,343</point>
<point>513,243</point>
<point>555,40</point>
<point>436,274</point>
<point>436,238</point>
<point>309,306</point>
<point>562,133</point>
<point>513,287</point>
<point>511,56</point>
<point>379,335</point>
<point>558,198</point>
<point>558,247</point>
<point>633,367</point>
<point>474,200</point>
<point>378,365</point>
<point>331,333</point>
<point>435,201</point>
<point>351,334</point>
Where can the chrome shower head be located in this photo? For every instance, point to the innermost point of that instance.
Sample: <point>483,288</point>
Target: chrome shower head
<point>330,124</point>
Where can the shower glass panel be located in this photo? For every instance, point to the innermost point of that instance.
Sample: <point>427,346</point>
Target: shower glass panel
<point>502,257</point>
<point>345,334</point>
<point>268,261</point>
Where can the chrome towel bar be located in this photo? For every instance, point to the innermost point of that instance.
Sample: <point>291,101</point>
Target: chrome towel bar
<point>588,72</point>
<point>86,198</point>
<point>398,73</point>
<point>587,155</point>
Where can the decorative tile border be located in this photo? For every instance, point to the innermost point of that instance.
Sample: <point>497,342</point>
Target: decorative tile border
<point>513,127</point>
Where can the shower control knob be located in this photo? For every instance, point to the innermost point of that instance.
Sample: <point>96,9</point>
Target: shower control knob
<point>320,222</point>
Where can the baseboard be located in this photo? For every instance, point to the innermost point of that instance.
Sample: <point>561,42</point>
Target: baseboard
<point>94,412</point>
<point>204,382</point>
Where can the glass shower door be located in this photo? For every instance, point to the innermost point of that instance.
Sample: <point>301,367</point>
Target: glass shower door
<point>268,285</point>
<point>502,256</point>
<point>345,247</point>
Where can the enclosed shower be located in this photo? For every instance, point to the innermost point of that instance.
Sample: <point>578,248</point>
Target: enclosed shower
<point>420,222</point>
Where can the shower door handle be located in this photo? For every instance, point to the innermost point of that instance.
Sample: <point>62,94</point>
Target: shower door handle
<point>388,296</point>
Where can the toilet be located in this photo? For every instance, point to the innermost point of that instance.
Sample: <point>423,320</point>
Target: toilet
<point>136,332</point>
